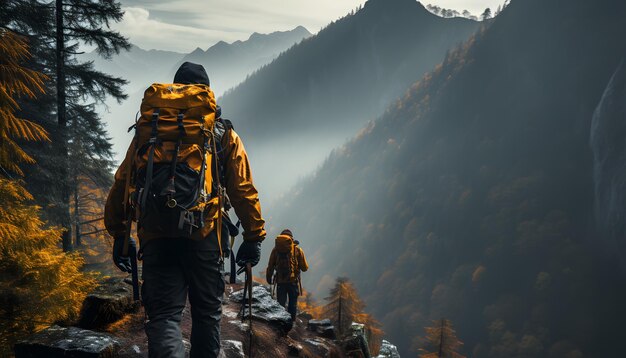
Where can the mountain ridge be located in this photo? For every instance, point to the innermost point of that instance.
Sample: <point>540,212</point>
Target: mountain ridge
<point>329,85</point>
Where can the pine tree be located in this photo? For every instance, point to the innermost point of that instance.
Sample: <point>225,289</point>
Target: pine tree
<point>486,14</point>
<point>39,284</point>
<point>80,146</point>
<point>442,341</point>
<point>90,235</point>
<point>343,304</point>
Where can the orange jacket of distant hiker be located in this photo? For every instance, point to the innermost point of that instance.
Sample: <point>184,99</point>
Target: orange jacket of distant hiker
<point>243,195</point>
<point>287,260</point>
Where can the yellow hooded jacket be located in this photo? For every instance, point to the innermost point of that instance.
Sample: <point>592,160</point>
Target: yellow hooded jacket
<point>243,195</point>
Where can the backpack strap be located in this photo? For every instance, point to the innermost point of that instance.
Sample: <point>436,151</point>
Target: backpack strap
<point>222,129</point>
<point>150,165</point>
<point>170,189</point>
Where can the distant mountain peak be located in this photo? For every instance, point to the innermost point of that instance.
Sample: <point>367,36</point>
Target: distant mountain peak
<point>219,45</point>
<point>302,29</point>
<point>197,51</point>
<point>255,35</point>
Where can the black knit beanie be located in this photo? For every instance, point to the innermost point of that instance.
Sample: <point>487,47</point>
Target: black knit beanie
<point>191,73</point>
<point>287,232</point>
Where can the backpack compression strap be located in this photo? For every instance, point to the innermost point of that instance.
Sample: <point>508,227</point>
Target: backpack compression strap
<point>170,190</point>
<point>150,165</point>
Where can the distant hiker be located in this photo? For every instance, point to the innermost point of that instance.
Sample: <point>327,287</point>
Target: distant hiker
<point>287,260</point>
<point>173,182</point>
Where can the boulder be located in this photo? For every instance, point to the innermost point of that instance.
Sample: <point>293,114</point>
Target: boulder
<point>265,308</point>
<point>67,342</point>
<point>356,346</point>
<point>231,349</point>
<point>323,327</point>
<point>388,350</point>
<point>109,302</point>
<point>327,332</point>
<point>315,323</point>
<point>320,347</point>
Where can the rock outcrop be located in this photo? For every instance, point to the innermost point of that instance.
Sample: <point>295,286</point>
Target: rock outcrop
<point>323,327</point>
<point>388,350</point>
<point>110,302</point>
<point>66,342</point>
<point>265,308</point>
<point>273,334</point>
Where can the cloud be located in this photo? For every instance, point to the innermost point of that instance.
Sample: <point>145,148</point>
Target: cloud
<point>183,25</point>
<point>150,33</point>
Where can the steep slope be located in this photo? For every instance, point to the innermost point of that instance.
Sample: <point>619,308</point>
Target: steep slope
<point>229,64</point>
<point>325,88</point>
<point>472,197</point>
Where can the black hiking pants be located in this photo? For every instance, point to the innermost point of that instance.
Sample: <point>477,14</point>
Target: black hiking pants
<point>288,290</point>
<point>172,269</point>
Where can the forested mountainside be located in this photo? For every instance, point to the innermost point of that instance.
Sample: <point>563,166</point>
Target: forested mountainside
<point>329,85</point>
<point>348,73</point>
<point>472,197</point>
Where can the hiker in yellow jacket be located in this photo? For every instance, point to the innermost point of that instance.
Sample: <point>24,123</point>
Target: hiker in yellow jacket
<point>176,266</point>
<point>287,260</point>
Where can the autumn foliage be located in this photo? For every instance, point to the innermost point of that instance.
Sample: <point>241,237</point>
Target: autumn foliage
<point>344,306</point>
<point>39,284</point>
<point>441,341</point>
<point>16,81</point>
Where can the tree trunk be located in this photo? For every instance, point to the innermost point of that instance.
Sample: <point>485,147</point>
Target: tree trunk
<point>61,142</point>
<point>440,355</point>
<point>339,316</point>
<point>77,233</point>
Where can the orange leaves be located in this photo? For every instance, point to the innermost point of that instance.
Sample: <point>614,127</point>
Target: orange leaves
<point>16,81</point>
<point>39,284</point>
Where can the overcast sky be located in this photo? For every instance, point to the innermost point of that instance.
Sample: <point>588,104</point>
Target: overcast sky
<point>183,25</point>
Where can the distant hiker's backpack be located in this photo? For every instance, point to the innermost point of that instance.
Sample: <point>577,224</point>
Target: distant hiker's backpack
<point>174,169</point>
<point>286,260</point>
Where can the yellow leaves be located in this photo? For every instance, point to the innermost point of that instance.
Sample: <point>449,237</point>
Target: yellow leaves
<point>16,81</point>
<point>40,284</point>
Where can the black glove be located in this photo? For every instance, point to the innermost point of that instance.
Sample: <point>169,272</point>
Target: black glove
<point>122,262</point>
<point>249,252</point>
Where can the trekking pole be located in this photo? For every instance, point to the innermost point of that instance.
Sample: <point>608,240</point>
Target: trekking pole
<point>233,268</point>
<point>132,254</point>
<point>247,288</point>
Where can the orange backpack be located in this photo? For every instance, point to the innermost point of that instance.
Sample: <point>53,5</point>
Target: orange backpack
<point>173,171</point>
<point>286,260</point>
